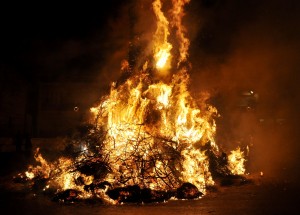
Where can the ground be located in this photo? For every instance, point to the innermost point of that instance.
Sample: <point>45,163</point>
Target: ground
<point>262,195</point>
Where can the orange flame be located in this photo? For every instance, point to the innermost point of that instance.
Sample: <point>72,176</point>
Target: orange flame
<point>236,162</point>
<point>177,15</point>
<point>154,131</point>
<point>145,120</point>
<point>162,47</point>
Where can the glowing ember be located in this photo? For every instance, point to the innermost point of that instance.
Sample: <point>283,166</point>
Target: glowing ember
<point>149,133</point>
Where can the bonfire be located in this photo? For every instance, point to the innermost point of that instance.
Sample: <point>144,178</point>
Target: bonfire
<point>148,140</point>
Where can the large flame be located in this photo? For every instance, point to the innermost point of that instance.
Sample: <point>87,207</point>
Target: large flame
<point>144,121</point>
<point>153,132</point>
<point>157,127</point>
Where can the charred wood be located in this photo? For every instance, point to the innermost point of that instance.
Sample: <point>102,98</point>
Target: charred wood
<point>188,191</point>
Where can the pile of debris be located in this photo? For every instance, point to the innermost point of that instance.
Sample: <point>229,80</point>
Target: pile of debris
<point>89,168</point>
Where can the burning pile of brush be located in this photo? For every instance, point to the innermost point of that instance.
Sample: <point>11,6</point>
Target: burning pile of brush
<point>148,140</point>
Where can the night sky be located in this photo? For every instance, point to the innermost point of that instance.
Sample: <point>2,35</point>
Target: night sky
<point>48,39</point>
<point>234,44</point>
<point>227,36</point>
<point>230,39</point>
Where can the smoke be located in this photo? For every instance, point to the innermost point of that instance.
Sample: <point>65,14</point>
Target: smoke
<point>252,45</point>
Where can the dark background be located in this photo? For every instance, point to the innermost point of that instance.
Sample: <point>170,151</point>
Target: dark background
<point>253,42</point>
<point>44,39</point>
<point>55,57</point>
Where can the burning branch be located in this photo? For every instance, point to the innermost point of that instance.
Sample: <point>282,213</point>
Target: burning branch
<point>148,140</point>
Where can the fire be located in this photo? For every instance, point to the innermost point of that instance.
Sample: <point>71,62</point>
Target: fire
<point>156,122</point>
<point>196,169</point>
<point>152,133</point>
<point>157,127</point>
<point>237,162</point>
<point>162,47</point>
<point>177,15</point>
